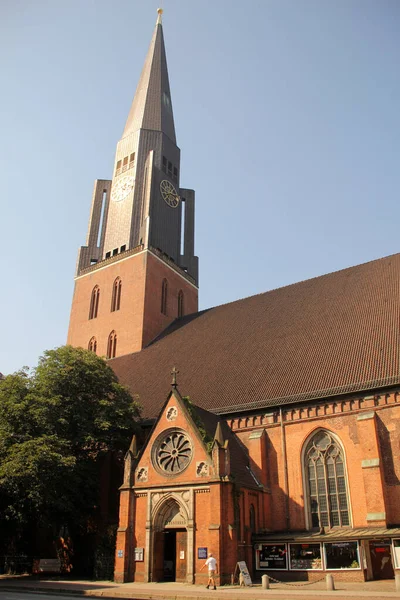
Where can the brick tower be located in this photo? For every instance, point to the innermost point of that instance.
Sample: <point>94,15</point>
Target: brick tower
<point>137,272</point>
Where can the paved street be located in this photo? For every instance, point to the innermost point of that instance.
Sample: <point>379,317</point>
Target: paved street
<point>33,596</point>
<point>197,595</point>
<point>31,588</point>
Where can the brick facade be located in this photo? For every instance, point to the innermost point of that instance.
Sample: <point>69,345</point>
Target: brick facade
<point>233,519</point>
<point>139,319</point>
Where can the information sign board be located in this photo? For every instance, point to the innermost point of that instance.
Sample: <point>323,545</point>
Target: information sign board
<point>244,572</point>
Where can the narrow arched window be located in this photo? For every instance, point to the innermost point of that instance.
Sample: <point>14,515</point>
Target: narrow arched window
<point>180,304</point>
<point>116,295</point>
<point>252,519</point>
<point>112,345</point>
<point>94,302</point>
<point>164,297</point>
<point>326,481</point>
<point>92,346</point>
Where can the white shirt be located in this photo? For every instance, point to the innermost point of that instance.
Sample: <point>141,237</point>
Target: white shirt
<point>212,563</point>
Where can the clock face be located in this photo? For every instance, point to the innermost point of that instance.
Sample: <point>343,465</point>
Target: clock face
<point>122,188</point>
<point>169,193</point>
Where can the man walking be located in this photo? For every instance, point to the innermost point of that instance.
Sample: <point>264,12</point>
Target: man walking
<point>211,563</point>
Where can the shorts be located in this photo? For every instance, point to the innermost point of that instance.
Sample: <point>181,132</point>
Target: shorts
<point>211,573</point>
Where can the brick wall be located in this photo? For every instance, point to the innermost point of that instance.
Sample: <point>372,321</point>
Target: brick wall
<point>139,319</point>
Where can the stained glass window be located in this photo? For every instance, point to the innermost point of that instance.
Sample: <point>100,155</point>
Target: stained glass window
<point>327,490</point>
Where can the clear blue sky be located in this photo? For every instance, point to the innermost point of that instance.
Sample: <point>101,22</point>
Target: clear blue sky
<point>287,113</point>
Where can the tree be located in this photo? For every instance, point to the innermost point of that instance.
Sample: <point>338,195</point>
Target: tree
<point>57,425</point>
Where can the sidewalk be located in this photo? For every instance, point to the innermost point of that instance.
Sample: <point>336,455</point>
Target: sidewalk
<point>182,591</point>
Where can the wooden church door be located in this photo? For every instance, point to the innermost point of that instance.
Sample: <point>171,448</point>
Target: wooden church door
<point>158,556</point>
<point>181,555</point>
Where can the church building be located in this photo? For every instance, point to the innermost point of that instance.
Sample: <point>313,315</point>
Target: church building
<point>272,423</point>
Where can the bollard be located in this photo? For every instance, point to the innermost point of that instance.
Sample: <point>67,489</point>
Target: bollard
<point>330,584</point>
<point>397,578</point>
<point>265,582</point>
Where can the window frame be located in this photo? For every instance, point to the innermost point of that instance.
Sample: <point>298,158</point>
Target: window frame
<point>116,295</point>
<point>181,304</point>
<point>343,568</point>
<point>164,297</point>
<point>396,562</point>
<point>112,345</point>
<point>259,568</point>
<point>321,551</point>
<point>92,345</point>
<point>306,489</point>
<point>94,303</point>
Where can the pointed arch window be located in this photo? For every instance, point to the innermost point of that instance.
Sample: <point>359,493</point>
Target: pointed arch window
<point>112,345</point>
<point>92,346</point>
<point>116,295</point>
<point>164,296</point>
<point>180,304</point>
<point>94,302</point>
<point>326,481</point>
<point>252,519</point>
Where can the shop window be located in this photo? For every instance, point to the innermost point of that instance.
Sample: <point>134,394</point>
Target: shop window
<point>112,345</point>
<point>272,556</point>
<point>304,557</point>
<point>92,346</point>
<point>326,482</point>
<point>94,302</point>
<point>164,297</point>
<point>342,555</point>
<point>396,552</point>
<point>180,304</point>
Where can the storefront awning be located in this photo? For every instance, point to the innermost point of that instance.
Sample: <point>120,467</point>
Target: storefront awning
<point>337,533</point>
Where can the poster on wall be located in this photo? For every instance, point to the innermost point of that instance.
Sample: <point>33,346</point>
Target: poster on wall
<point>138,554</point>
<point>273,556</point>
<point>202,553</point>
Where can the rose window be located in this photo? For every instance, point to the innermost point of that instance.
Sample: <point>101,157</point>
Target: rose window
<point>172,452</point>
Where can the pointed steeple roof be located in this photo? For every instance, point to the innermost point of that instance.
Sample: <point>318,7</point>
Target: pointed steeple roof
<point>152,107</point>
<point>219,436</point>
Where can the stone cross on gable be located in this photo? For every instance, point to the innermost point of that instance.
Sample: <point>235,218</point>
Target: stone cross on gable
<point>174,373</point>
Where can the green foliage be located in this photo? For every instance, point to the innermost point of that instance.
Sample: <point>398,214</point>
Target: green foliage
<point>207,440</point>
<point>57,424</point>
<point>104,554</point>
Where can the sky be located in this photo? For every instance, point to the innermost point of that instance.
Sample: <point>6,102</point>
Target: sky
<point>286,113</point>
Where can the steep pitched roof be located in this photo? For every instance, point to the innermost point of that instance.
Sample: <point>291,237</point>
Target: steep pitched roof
<point>152,107</point>
<point>333,334</point>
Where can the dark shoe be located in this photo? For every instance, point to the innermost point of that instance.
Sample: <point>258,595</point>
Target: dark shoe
<point>207,586</point>
<point>215,587</point>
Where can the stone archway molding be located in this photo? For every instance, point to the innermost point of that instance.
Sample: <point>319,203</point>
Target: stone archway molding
<point>170,510</point>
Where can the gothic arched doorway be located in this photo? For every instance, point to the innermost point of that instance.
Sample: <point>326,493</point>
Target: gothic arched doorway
<point>170,553</point>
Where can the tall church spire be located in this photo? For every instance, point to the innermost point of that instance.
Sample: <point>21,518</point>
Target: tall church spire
<point>138,271</point>
<point>151,107</point>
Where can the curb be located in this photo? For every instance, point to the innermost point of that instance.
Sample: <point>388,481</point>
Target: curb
<point>142,594</point>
